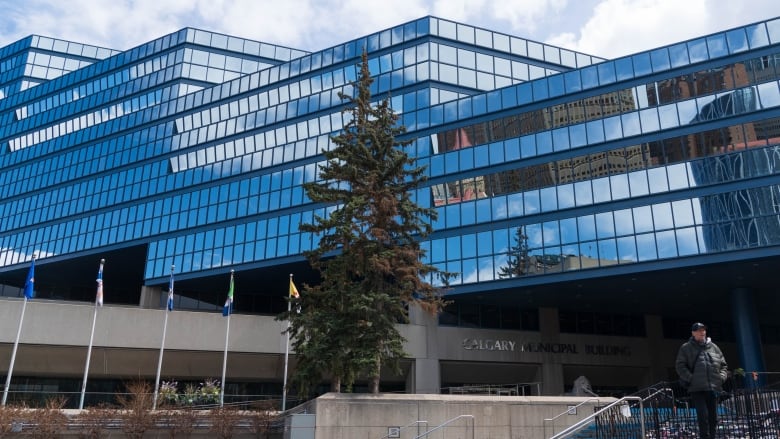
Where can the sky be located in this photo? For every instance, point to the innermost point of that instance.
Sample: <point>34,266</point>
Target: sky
<point>605,28</point>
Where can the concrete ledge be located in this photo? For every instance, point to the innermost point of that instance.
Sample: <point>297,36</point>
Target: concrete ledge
<point>496,417</point>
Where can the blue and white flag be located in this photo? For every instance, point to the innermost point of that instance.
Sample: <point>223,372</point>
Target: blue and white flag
<point>29,284</point>
<point>170,293</point>
<point>228,308</point>
<point>99,295</point>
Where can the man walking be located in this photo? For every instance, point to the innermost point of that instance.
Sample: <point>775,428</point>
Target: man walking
<point>701,363</point>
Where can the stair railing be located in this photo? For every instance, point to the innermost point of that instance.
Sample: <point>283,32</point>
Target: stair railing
<point>568,411</point>
<point>587,421</point>
<point>449,422</point>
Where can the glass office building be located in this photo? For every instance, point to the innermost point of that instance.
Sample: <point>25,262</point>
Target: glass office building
<point>593,208</point>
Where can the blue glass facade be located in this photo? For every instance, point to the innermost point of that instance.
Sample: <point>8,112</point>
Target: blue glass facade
<point>144,144</point>
<point>580,174</point>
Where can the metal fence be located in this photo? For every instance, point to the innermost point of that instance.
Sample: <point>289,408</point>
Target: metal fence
<point>517,389</point>
<point>665,412</point>
<point>39,398</point>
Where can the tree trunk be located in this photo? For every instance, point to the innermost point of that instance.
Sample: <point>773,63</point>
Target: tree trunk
<point>335,384</point>
<point>373,384</point>
<point>373,380</point>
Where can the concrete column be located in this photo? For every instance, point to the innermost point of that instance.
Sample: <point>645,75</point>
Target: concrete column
<point>150,297</point>
<point>549,324</point>
<point>552,378</point>
<point>655,335</point>
<point>425,373</point>
<point>748,334</point>
<point>552,370</point>
<point>425,377</point>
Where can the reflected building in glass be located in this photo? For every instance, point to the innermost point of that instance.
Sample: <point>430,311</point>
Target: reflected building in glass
<point>602,205</point>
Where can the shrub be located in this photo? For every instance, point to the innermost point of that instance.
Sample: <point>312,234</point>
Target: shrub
<point>262,418</point>
<point>180,423</point>
<point>11,419</point>
<point>191,394</point>
<point>209,391</point>
<point>95,421</point>
<point>206,393</point>
<point>50,421</point>
<point>136,414</point>
<point>168,394</point>
<point>224,422</point>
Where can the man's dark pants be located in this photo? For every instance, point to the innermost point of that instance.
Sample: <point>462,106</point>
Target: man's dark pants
<point>706,406</point>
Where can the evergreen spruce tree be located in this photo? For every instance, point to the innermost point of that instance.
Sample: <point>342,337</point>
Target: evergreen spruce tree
<point>368,254</point>
<point>517,264</point>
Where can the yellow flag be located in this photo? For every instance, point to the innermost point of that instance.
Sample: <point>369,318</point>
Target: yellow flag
<point>293,290</point>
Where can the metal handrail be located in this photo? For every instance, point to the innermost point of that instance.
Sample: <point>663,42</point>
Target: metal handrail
<point>584,422</point>
<point>406,426</point>
<point>566,412</point>
<point>662,390</point>
<point>449,422</point>
<point>669,390</point>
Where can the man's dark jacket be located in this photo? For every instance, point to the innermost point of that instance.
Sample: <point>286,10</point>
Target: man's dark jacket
<point>711,369</point>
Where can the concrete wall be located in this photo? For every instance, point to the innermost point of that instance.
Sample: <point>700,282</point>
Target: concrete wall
<point>358,416</point>
<point>69,324</point>
<point>341,416</point>
<point>55,336</point>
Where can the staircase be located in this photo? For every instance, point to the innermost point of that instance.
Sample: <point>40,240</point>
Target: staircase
<point>744,413</point>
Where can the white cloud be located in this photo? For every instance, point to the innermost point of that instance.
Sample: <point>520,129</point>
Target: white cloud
<point>118,24</point>
<point>527,15</point>
<point>621,27</point>
<point>519,17</point>
<point>602,27</point>
<point>122,24</point>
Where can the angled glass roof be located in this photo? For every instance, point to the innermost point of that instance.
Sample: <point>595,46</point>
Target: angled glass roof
<point>36,59</point>
<point>242,45</point>
<point>694,51</point>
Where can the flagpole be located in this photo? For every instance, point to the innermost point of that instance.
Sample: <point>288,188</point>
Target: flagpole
<point>91,337</point>
<point>286,350</point>
<point>162,344</point>
<point>224,365</point>
<point>13,354</point>
<point>227,334</point>
<point>29,290</point>
<point>159,362</point>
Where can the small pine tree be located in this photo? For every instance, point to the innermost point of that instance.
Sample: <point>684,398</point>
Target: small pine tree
<point>517,263</point>
<point>369,256</point>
